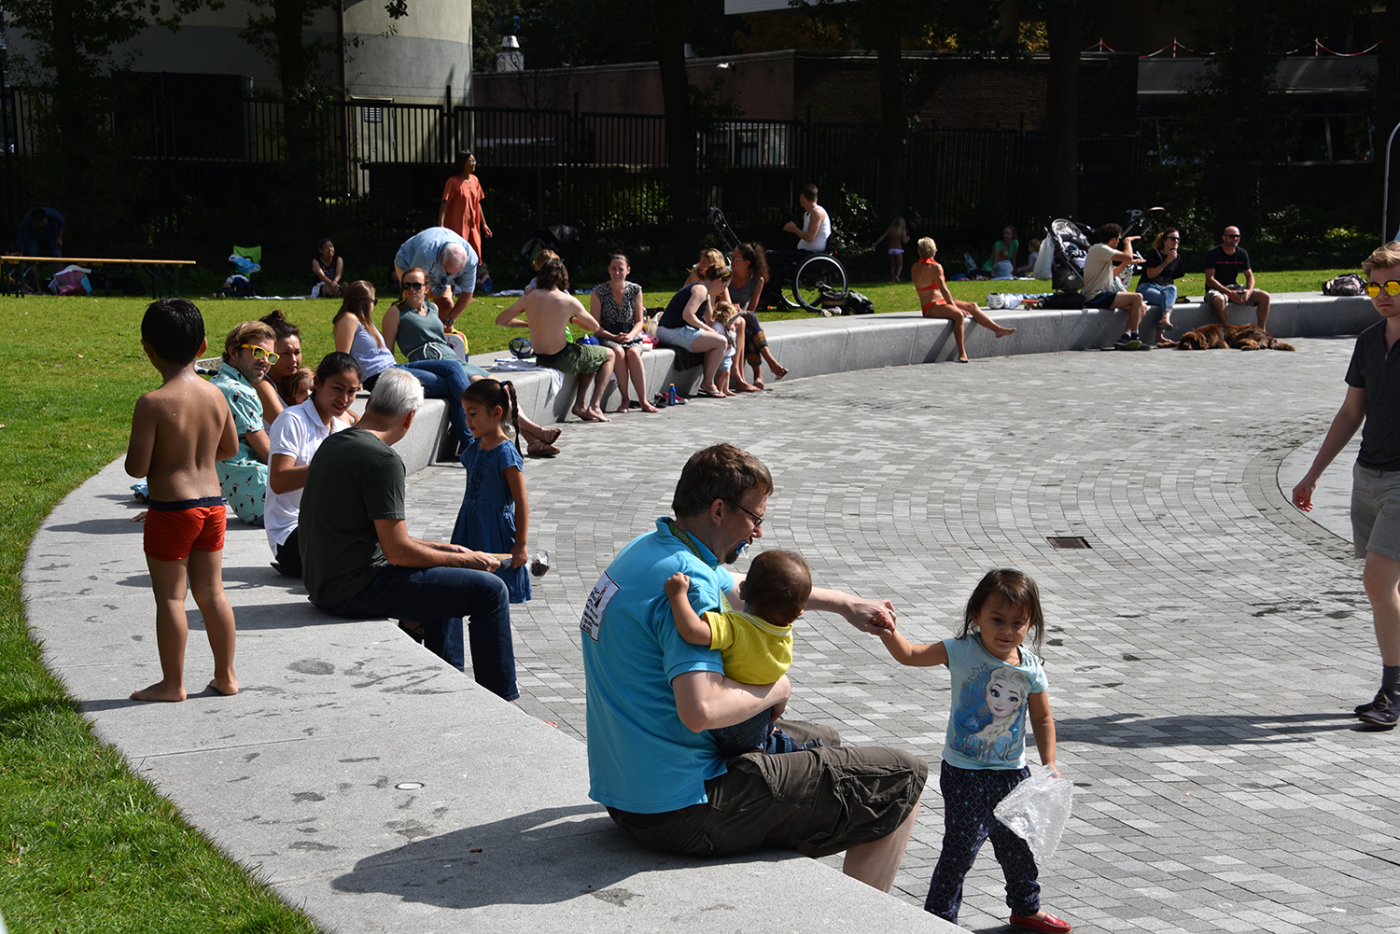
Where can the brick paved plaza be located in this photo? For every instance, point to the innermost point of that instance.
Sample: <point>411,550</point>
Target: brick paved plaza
<point>1203,655</point>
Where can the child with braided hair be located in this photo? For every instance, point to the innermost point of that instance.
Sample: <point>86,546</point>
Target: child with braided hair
<point>495,513</point>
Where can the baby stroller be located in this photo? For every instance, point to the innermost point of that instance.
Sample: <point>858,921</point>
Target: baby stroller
<point>1069,248</point>
<point>560,238</point>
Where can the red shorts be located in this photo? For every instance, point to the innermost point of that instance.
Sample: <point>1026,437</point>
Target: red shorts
<point>173,530</point>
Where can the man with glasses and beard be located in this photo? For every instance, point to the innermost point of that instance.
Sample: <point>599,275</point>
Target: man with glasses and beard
<point>651,696</point>
<point>1224,265</point>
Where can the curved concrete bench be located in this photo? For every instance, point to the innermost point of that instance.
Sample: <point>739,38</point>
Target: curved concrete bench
<point>380,789</point>
<point>811,346</point>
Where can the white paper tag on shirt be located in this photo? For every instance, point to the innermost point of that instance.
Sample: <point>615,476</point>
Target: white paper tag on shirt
<point>598,600</point>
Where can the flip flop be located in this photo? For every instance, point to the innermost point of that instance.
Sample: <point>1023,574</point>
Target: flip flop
<point>706,394</point>
<point>540,449</point>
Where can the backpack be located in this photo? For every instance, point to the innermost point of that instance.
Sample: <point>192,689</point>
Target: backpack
<point>1064,300</point>
<point>858,304</point>
<point>1349,284</point>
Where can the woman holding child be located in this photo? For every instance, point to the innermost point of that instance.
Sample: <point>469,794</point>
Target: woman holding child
<point>618,307</point>
<point>681,325</point>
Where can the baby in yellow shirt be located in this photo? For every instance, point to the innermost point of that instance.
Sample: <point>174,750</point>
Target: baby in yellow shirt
<point>756,645</point>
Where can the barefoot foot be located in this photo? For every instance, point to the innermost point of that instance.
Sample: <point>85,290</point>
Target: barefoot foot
<point>594,414</point>
<point>1005,332</point>
<point>648,407</point>
<point>227,688</point>
<point>160,691</point>
<point>622,408</point>
<point>963,358</point>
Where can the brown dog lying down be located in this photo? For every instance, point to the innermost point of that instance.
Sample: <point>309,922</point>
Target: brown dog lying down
<point>1231,337</point>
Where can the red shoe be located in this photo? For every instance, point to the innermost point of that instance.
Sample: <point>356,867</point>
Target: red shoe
<point>1050,924</point>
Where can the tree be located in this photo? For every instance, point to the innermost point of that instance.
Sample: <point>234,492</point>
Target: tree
<point>680,131</point>
<point>1065,25</point>
<point>75,63</point>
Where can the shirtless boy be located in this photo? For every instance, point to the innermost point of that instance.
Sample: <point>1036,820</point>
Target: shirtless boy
<point>550,308</point>
<point>178,433</point>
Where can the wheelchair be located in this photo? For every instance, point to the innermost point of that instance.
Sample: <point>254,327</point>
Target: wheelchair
<point>808,278</point>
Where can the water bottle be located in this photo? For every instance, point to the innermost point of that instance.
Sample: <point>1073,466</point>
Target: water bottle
<point>671,394</point>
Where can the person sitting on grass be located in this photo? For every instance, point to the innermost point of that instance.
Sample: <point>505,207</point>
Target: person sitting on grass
<point>938,302</point>
<point>179,433</point>
<point>1107,257</point>
<point>549,309</point>
<point>756,644</point>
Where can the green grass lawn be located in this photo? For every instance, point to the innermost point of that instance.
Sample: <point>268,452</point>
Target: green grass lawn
<point>86,845</point>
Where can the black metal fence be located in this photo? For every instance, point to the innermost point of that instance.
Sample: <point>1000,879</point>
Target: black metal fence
<point>380,166</point>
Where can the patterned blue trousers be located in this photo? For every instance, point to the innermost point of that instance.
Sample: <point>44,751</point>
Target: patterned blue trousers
<point>969,795</point>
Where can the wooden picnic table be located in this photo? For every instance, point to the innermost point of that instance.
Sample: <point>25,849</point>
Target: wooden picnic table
<point>159,270</point>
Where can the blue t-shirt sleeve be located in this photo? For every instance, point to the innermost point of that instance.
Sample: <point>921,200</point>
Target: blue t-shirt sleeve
<point>677,655</point>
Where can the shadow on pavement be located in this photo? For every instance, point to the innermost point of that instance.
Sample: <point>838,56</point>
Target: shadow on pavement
<point>1137,731</point>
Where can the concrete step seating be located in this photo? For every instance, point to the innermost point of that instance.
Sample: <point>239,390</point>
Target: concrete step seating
<point>379,789</point>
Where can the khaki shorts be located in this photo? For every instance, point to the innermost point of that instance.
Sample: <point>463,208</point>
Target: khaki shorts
<point>820,802</point>
<point>1375,511</point>
<point>576,358</point>
<point>1225,297</point>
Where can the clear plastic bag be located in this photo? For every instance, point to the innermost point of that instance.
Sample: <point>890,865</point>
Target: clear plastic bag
<point>1037,811</point>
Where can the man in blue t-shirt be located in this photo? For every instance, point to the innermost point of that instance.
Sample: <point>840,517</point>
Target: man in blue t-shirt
<point>1224,265</point>
<point>651,696</point>
<point>450,263</point>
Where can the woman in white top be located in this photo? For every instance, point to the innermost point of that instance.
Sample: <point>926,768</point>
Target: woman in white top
<point>295,436</point>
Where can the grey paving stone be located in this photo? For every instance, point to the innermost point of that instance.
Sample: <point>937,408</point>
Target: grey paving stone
<point>1203,655</point>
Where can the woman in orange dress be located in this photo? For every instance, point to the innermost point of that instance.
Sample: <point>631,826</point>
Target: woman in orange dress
<point>460,209</point>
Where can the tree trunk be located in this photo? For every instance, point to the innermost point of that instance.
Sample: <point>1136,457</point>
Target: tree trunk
<point>302,188</point>
<point>73,100</point>
<point>680,134</point>
<point>1066,28</point>
<point>894,125</point>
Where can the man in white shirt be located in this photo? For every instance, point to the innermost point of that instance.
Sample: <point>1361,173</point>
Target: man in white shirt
<point>1109,254</point>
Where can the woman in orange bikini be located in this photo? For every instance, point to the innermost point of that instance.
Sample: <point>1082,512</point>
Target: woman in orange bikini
<point>927,277</point>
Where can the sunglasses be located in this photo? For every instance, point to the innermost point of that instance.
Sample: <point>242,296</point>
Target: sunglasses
<point>1391,288</point>
<point>413,286</point>
<point>259,353</point>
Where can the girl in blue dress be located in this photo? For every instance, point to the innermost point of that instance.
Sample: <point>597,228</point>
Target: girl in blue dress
<point>495,513</point>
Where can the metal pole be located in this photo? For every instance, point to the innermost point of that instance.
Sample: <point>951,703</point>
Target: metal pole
<point>1385,205</point>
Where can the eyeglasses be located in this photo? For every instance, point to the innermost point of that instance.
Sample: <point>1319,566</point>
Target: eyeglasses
<point>414,286</point>
<point>1391,288</point>
<point>259,353</point>
<point>1171,238</point>
<point>757,520</point>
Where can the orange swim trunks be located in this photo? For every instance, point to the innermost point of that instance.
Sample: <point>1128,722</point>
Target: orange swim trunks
<point>173,530</point>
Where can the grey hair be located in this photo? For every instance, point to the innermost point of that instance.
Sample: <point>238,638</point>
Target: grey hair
<point>454,254</point>
<point>396,393</point>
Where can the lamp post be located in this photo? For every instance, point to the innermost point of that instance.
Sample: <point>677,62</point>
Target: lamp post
<point>1385,204</point>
